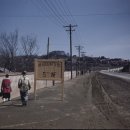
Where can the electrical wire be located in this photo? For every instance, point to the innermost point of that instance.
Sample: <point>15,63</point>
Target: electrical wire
<point>73,20</point>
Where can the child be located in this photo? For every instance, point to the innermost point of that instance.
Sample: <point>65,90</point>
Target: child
<point>6,88</point>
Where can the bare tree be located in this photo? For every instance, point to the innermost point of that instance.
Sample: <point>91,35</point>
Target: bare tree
<point>30,48</point>
<point>8,49</point>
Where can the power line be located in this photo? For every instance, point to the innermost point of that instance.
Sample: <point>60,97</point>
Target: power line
<point>53,11</point>
<point>41,6</point>
<point>94,14</point>
<point>69,13</point>
<point>54,7</point>
<point>61,15</point>
<point>73,20</point>
<point>64,10</point>
<point>60,10</point>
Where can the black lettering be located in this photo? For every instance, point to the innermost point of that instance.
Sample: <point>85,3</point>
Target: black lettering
<point>53,74</point>
<point>44,74</point>
<point>39,65</point>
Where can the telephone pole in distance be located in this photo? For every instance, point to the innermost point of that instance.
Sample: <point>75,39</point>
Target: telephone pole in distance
<point>79,48</point>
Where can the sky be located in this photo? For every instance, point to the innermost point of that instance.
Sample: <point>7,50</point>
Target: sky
<point>103,26</point>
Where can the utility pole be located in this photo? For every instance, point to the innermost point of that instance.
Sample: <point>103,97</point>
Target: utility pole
<point>70,30</point>
<point>84,63</point>
<point>79,48</point>
<point>83,53</point>
<point>48,44</point>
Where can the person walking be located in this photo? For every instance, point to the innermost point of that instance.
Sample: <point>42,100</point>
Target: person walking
<point>6,88</point>
<point>24,85</point>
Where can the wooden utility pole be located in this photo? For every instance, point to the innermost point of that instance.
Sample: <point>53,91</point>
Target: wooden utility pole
<point>48,44</point>
<point>83,64</point>
<point>70,30</point>
<point>79,48</point>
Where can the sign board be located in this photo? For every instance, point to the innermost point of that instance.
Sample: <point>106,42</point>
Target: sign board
<point>49,69</point>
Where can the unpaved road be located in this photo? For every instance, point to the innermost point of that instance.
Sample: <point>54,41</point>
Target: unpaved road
<point>89,102</point>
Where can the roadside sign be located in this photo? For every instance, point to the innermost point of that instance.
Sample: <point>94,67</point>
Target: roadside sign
<point>49,69</point>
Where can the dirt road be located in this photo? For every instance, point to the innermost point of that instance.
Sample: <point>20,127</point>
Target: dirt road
<point>86,104</point>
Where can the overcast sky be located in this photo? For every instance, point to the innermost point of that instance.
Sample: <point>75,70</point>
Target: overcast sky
<point>103,25</point>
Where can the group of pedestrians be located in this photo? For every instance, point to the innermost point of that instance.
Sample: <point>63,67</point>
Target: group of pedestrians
<point>23,85</point>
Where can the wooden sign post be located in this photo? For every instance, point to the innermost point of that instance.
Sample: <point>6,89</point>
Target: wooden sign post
<point>49,70</point>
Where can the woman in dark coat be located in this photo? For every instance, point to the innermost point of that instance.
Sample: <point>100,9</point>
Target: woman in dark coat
<point>6,88</point>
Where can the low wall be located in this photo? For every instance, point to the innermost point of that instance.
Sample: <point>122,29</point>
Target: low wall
<point>40,83</point>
